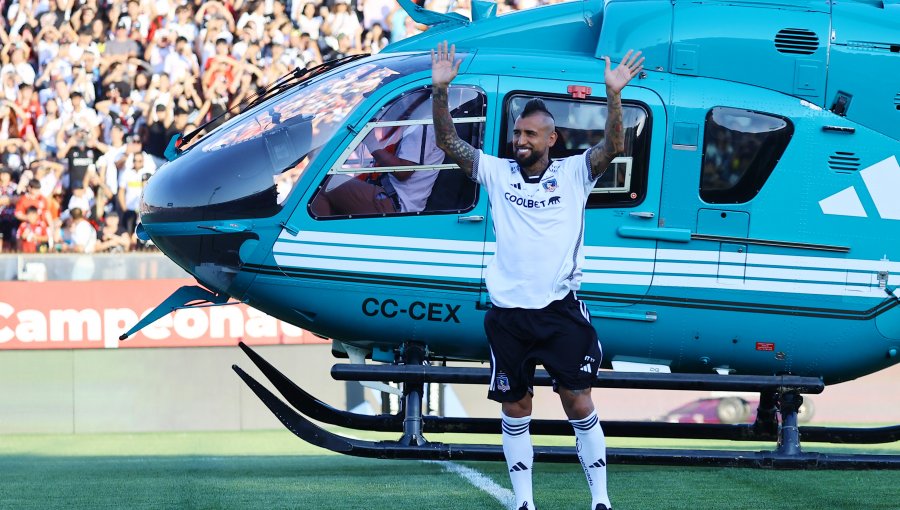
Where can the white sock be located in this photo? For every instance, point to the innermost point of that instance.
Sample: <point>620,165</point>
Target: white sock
<point>519,457</point>
<point>591,447</point>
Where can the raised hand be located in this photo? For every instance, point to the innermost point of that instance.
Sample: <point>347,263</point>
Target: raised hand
<point>444,65</point>
<point>617,78</point>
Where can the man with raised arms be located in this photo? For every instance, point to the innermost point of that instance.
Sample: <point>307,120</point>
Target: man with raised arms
<point>538,210</point>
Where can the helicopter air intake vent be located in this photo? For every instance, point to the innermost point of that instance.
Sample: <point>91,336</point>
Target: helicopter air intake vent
<point>843,162</point>
<point>796,41</point>
<point>897,100</point>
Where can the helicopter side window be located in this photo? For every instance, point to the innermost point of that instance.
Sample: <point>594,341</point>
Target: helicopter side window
<point>394,166</point>
<point>740,150</point>
<point>581,125</point>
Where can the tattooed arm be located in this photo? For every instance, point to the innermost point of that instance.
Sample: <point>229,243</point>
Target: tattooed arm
<point>443,69</point>
<point>614,138</point>
<point>613,142</point>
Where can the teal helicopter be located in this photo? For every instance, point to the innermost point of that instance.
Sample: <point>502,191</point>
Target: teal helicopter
<point>745,240</point>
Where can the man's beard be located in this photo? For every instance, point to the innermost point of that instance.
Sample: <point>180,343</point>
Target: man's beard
<point>526,162</point>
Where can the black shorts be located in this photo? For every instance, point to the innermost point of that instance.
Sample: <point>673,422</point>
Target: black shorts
<point>559,336</point>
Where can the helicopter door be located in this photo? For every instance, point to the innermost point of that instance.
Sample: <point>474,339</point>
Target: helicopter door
<point>621,226</point>
<point>395,227</point>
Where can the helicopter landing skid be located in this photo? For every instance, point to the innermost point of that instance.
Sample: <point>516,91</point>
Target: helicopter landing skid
<point>413,445</point>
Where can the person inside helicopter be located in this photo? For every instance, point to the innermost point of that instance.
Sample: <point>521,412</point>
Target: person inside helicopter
<point>385,192</point>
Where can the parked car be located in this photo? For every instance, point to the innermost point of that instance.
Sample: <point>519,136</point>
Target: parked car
<point>727,410</point>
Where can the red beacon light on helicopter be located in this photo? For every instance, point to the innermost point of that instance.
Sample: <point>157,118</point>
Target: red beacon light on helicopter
<point>579,91</point>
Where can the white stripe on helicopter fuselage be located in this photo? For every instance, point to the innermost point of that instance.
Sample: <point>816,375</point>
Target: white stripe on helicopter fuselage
<point>378,267</point>
<point>786,287</point>
<point>365,253</point>
<point>604,265</point>
<point>383,241</point>
<point>617,252</point>
<point>761,259</point>
<point>713,282</point>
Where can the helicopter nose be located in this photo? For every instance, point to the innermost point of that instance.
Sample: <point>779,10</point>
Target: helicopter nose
<point>212,258</point>
<point>193,237</point>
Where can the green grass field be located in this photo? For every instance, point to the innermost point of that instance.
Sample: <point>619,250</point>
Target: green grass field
<point>273,470</point>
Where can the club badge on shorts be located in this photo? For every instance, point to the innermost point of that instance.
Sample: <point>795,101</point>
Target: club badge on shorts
<point>502,382</point>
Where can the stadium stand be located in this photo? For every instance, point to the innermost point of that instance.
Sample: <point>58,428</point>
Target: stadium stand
<point>92,90</point>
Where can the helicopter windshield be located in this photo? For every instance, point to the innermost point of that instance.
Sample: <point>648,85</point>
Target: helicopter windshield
<point>247,167</point>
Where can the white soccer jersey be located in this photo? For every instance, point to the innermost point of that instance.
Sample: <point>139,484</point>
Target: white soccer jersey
<point>539,229</point>
<point>415,190</point>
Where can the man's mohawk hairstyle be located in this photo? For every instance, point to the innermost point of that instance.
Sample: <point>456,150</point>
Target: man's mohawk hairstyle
<point>536,106</point>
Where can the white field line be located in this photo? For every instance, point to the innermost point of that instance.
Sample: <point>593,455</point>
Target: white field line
<point>481,482</point>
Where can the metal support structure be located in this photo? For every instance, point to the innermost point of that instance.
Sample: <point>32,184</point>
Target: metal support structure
<point>778,394</point>
<point>789,434</point>
<point>767,413</point>
<point>605,379</point>
<point>413,355</point>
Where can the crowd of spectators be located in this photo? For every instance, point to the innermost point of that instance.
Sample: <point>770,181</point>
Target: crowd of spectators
<point>91,91</point>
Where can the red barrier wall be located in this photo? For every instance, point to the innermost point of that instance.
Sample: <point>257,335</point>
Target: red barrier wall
<point>92,315</point>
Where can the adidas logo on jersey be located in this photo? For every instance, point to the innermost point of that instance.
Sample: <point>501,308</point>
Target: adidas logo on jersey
<point>599,464</point>
<point>517,185</point>
<point>519,467</point>
<point>586,368</point>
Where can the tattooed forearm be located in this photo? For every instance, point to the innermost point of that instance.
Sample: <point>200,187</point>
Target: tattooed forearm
<point>613,140</point>
<point>447,139</point>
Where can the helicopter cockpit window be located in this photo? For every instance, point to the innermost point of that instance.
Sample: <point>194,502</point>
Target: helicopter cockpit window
<point>740,150</point>
<point>394,166</point>
<point>579,126</point>
<point>247,167</point>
